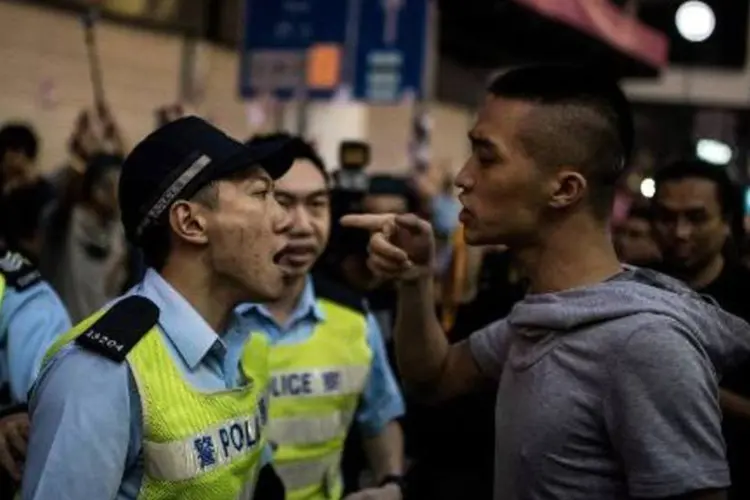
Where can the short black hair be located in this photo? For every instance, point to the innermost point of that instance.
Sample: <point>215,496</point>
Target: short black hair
<point>24,209</point>
<point>383,184</point>
<point>19,137</point>
<point>727,194</point>
<point>588,123</point>
<point>299,147</point>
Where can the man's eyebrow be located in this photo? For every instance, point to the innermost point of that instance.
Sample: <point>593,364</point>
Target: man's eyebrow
<point>302,196</point>
<point>266,180</point>
<point>481,142</point>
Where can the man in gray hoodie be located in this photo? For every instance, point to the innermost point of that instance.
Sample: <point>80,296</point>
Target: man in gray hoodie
<point>607,375</point>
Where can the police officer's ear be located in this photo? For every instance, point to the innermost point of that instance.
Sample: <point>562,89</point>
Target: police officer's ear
<point>188,221</point>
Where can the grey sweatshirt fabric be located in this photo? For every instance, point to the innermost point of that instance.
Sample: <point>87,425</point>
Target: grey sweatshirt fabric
<point>610,391</point>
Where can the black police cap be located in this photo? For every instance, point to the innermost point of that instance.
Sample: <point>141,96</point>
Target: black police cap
<point>179,158</point>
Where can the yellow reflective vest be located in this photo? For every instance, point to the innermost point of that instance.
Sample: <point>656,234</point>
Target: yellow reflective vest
<point>196,446</point>
<point>315,389</point>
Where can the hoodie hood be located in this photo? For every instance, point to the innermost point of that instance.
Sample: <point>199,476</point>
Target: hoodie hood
<point>725,338</point>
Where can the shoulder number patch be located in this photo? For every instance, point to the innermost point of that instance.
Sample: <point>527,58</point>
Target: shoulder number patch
<point>19,272</point>
<point>120,328</point>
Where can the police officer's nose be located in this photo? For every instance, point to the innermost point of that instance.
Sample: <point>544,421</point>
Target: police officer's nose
<point>282,219</point>
<point>301,221</point>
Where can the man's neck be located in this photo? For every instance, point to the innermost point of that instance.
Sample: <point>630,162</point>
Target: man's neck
<point>562,262</point>
<point>283,308</point>
<point>701,278</point>
<point>211,300</point>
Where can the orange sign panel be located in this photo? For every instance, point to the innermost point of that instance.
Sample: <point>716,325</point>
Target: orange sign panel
<point>324,66</point>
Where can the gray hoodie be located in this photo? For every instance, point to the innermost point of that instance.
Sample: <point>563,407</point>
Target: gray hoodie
<point>611,391</point>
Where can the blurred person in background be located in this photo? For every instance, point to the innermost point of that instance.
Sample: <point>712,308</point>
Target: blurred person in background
<point>695,212</point>
<point>634,240</point>
<point>328,363</point>
<point>695,209</point>
<point>85,255</point>
<point>31,318</point>
<point>586,406</point>
<point>19,149</point>
<point>26,207</point>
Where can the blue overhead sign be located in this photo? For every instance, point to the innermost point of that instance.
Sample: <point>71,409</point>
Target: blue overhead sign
<point>391,50</point>
<point>376,49</point>
<point>278,38</point>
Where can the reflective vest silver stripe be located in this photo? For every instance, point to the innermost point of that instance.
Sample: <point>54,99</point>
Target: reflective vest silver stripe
<point>329,381</point>
<point>216,446</point>
<point>298,431</point>
<point>298,475</point>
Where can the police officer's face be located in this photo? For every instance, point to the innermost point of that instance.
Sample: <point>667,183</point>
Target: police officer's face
<point>304,195</point>
<point>246,232</point>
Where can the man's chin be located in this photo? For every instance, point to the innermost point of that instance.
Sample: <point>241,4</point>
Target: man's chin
<point>294,270</point>
<point>477,238</point>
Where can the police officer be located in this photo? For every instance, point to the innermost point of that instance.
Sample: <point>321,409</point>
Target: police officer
<point>328,364</point>
<point>144,399</point>
<point>31,316</point>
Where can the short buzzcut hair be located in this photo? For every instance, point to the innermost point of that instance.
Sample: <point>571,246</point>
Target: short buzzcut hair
<point>584,121</point>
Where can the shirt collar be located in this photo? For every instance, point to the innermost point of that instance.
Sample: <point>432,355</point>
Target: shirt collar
<point>191,336</point>
<point>306,307</point>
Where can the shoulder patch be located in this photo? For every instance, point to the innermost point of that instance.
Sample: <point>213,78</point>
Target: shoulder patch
<point>120,328</point>
<point>18,270</point>
<point>339,293</point>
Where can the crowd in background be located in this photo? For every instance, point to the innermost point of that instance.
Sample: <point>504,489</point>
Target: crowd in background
<point>68,225</point>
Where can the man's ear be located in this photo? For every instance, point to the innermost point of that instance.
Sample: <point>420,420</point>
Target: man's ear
<point>569,187</point>
<point>188,221</point>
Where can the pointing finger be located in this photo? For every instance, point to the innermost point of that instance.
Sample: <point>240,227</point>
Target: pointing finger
<point>379,245</point>
<point>370,222</point>
<point>412,223</point>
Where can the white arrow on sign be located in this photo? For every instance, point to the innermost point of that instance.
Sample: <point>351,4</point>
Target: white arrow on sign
<point>391,10</point>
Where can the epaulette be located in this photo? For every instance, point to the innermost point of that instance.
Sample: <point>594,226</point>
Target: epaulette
<point>119,329</point>
<point>18,270</point>
<point>337,292</point>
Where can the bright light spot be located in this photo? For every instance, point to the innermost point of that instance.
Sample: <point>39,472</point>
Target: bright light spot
<point>695,21</point>
<point>712,151</point>
<point>648,187</point>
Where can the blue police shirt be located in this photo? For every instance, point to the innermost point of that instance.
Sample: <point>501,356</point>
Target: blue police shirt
<point>381,401</point>
<point>80,445</point>
<point>30,321</point>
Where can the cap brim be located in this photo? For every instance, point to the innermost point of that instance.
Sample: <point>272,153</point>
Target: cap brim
<point>275,158</point>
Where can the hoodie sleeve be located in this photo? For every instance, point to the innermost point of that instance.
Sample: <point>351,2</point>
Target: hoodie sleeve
<point>489,347</point>
<point>662,413</point>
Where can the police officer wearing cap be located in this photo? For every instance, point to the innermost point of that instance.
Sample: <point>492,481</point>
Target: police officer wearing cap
<point>31,317</point>
<point>144,399</point>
